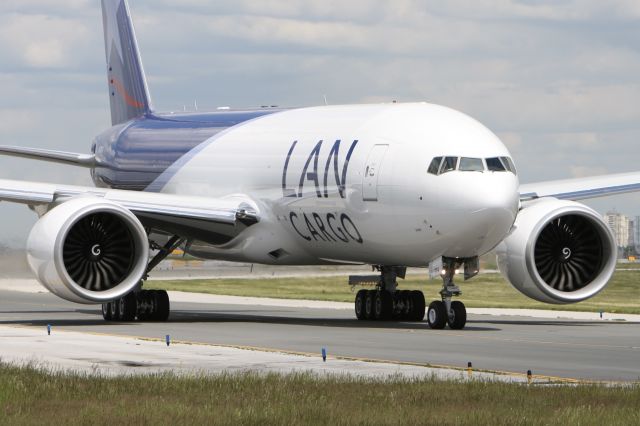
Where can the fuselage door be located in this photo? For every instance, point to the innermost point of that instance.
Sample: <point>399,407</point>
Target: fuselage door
<point>372,172</point>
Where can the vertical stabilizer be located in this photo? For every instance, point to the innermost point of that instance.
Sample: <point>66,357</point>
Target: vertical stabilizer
<point>128,89</point>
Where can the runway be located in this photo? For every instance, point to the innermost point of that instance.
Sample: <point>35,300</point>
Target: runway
<point>574,349</point>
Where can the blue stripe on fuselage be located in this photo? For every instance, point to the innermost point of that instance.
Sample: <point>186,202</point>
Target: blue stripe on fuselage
<point>134,155</point>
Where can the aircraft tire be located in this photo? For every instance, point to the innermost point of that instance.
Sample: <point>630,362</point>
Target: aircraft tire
<point>458,317</point>
<point>127,308</point>
<point>383,305</point>
<point>106,311</point>
<point>162,304</point>
<point>114,309</point>
<point>359,304</point>
<point>407,310</point>
<point>418,305</point>
<point>142,314</point>
<point>437,315</point>
<point>369,302</point>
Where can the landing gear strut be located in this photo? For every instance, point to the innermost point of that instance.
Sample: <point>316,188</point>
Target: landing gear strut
<point>447,311</point>
<point>387,302</point>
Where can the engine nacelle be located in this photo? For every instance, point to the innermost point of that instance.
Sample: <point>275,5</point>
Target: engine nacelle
<point>88,250</point>
<point>558,252</point>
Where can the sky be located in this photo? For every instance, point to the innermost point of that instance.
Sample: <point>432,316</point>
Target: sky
<point>558,81</point>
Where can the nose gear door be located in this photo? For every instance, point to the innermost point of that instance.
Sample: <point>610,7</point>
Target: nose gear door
<point>372,172</point>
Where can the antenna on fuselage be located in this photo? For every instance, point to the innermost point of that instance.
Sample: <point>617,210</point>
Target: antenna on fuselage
<point>325,100</point>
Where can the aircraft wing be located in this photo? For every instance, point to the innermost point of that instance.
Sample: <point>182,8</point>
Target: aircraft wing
<point>214,220</point>
<point>62,157</point>
<point>582,188</point>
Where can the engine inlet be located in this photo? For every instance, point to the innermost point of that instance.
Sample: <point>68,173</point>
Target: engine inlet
<point>99,251</point>
<point>568,253</point>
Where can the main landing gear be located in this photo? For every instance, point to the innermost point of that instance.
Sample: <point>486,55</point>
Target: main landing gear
<point>386,303</point>
<point>382,305</point>
<point>446,311</point>
<point>144,305</point>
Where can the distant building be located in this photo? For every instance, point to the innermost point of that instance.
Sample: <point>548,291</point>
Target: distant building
<point>636,233</point>
<point>619,224</point>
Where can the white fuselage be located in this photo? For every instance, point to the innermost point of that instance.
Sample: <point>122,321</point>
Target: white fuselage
<point>379,207</point>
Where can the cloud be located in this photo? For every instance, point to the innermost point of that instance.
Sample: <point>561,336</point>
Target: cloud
<point>334,10</point>
<point>40,41</point>
<point>556,80</point>
<point>582,171</point>
<point>14,120</point>
<point>511,140</point>
<point>585,141</point>
<point>552,10</point>
<point>46,6</point>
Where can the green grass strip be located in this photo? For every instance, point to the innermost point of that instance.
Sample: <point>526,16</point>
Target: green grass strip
<point>622,295</point>
<point>32,397</point>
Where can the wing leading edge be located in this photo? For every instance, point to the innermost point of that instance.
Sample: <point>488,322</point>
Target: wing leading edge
<point>213,220</point>
<point>62,157</point>
<point>582,188</point>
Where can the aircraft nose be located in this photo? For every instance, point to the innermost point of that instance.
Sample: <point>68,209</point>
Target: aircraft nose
<point>496,201</point>
<point>497,192</point>
<point>485,212</point>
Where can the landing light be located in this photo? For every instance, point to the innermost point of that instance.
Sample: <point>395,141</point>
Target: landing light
<point>444,272</point>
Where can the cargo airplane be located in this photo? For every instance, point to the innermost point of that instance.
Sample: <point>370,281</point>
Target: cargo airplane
<point>389,185</point>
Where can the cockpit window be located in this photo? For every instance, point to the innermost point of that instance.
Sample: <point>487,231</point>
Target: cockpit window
<point>508,163</point>
<point>448,165</point>
<point>441,165</point>
<point>471,164</point>
<point>495,165</point>
<point>435,165</point>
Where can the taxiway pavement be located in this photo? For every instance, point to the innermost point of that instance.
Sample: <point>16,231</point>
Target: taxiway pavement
<point>558,347</point>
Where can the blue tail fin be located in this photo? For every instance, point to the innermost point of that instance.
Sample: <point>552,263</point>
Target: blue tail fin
<point>128,89</point>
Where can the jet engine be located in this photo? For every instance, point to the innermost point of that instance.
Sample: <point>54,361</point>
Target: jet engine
<point>88,250</point>
<point>558,252</point>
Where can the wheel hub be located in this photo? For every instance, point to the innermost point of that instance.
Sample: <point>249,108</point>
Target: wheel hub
<point>432,315</point>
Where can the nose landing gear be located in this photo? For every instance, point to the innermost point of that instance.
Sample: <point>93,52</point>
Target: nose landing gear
<point>450,312</point>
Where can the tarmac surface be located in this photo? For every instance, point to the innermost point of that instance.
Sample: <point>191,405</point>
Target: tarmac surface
<point>582,349</point>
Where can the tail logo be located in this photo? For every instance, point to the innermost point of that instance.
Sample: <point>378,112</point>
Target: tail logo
<point>123,92</point>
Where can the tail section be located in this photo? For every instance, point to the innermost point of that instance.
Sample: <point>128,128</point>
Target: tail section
<point>128,89</point>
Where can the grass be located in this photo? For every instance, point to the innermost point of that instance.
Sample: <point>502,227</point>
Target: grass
<point>32,397</point>
<point>622,295</point>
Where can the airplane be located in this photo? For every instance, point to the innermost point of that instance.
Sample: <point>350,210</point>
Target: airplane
<point>395,186</point>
